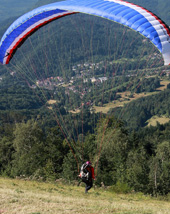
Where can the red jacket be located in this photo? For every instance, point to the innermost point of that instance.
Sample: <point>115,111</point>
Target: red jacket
<point>91,170</point>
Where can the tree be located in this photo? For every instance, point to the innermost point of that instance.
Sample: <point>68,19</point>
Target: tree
<point>29,155</point>
<point>159,169</point>
<point>70,170</point>
<point>113,146</point>
<point>6,149</point>
<point>137,169</point>
<point>54,152</point>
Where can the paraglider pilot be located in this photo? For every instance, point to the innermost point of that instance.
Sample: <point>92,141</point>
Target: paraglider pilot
<point>87,175</point>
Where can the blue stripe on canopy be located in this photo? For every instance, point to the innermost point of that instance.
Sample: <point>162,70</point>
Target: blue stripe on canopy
<point>13,33</point>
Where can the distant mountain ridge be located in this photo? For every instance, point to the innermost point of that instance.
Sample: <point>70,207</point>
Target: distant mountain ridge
<point>11,8</point>
<point>18,7</point>
<point>160,7</point>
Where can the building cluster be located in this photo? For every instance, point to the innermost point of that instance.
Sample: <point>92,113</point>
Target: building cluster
<point>82,71</point>
<point>50,83</point>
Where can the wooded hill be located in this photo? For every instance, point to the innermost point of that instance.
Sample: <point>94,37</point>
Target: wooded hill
<point>14,8</point>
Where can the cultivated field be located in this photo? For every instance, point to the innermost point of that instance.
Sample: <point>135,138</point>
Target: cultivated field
<point>30,197</point>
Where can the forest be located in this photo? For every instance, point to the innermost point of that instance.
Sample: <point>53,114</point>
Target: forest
<point>140,161</point>
<point>49,94</point>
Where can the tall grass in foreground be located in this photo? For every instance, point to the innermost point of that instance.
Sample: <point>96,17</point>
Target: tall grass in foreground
<point>31,197</point>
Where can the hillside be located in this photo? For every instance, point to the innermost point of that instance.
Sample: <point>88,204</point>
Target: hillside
<point>159,7</point>
<point>51,95</point>
<point>48,53</point>
<point>14,8</point>
<point>95,47</point>
<point>21,197</point>
<point>18,7</point>
<point>137,113</point>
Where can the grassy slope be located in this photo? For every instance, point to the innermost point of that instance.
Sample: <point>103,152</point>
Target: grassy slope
<point>155,119</point>
<point>124,95</point>
<point>30,197</point>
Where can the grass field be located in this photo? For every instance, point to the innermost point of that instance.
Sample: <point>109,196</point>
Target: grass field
<point>121,102</point>
<point>50,102</point>
<point>31,197</point>
<point>153,121</point>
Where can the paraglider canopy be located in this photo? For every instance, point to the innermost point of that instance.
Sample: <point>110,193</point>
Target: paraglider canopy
<point>128,14</point>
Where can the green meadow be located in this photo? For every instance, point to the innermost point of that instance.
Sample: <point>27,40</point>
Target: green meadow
<point>32,197</point>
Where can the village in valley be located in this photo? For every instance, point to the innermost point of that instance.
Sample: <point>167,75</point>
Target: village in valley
<point>86,73</point>
<point>84,77</point>
<point>83,73</point>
